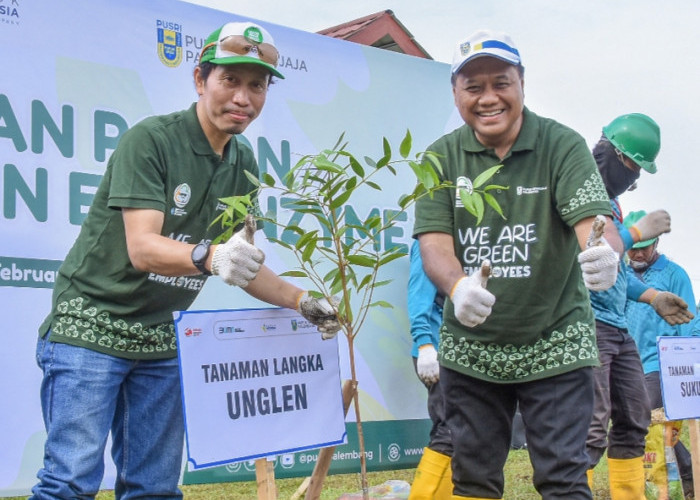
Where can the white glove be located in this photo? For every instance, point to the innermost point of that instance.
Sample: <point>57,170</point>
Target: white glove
<point>238,261</point>
<point>427,365</point>
<point>472,302</point>
<point>599,262</point>
<point>653,225</point>
<point>321,313</point>
<point>599,265</point>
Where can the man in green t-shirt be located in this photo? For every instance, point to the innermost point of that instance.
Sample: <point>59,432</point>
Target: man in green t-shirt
<point>511,254</point>
<point>107,348</point>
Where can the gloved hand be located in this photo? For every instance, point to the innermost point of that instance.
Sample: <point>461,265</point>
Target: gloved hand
<point>652,225</point>
<point>321,313</point>
<point>599,262</point>
<point>238,260</point>
<point>427,365</point>
<point>671,308</point>
<point>472,301</point>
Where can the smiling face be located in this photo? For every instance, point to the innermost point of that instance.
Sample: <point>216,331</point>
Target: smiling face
<point>230,98</point>
<point>489,95</point>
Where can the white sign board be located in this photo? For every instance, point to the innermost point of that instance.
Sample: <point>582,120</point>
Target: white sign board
<point>255,383</point>
<point>679,359</point>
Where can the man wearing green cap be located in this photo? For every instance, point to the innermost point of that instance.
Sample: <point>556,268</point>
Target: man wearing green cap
<point>108,349</point>
<point>621,412</point>
<point>668,279</point>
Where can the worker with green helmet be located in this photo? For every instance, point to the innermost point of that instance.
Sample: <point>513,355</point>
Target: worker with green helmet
<point>658,271</point>
<point>622,411</point>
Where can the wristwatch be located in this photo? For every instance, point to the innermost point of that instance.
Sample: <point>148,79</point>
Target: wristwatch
<point>200,252</point>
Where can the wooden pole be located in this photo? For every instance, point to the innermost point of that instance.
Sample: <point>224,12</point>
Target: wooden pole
<point>265,477</point>
<point>326,454</point>
<point>694,434</point>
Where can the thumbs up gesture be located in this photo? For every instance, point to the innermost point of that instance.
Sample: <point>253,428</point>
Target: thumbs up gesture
<point>238,260</point>
<point>472,301</point>
<point>599,262</point>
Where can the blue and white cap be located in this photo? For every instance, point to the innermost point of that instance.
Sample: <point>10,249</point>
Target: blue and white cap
<point>485,43</point>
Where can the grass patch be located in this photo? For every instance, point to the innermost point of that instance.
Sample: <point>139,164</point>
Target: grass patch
<point>518,483</point>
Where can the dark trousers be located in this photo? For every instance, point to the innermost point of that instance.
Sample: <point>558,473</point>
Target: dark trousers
<point>620,396</point>
<point>440,438</point>
<point>556,412</point>
<point>685,463</point>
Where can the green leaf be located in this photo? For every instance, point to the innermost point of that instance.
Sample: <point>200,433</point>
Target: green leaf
<point>391,257</point>
<point>323,163</point>
<point>294,274</point>
<point>494,204</point>
<point>387,148</point>
<point>405,147</point>
<point>281,243</point>
<point>337,287</point>
<point>486,175</point>
<point>253,179</point>
<point>382,283</point>
<point>362,260</point>
<point>305,238</point>
<point>479,206</point>
<point>356,167</point>
<point>434,160</point>
<point>340,200</point>
<point>340,140</point>
<point>467,201</point>
<point>374,185</point>
<point>331,275</point>
<point>491,187</point>
<point>381,303</point>
<point>365,281</point>
<point>308,251</point>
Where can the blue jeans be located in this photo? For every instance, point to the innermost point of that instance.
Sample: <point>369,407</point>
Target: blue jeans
<point>84,395</point>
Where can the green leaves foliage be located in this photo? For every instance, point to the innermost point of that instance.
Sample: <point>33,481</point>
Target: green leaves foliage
<point>341,257</point>
<point>474,198</point>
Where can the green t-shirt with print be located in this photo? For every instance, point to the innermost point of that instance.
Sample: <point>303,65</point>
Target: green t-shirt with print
<point>542,323</point>
<point>100,301</point>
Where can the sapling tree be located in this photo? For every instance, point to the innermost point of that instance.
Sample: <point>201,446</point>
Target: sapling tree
<point>342,259</point>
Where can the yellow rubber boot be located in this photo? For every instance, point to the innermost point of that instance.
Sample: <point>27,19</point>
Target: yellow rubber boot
<point>626,476</point>
<point>589,475</point>
<point>428,475</point>
<point>444,491</point>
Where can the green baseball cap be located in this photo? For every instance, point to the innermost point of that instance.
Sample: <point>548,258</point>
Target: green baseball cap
<point>242,43</point>
<point>629,221</point>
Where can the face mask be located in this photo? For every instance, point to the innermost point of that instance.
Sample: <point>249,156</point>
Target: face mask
<point>616,177</point>
<point>638,266</point>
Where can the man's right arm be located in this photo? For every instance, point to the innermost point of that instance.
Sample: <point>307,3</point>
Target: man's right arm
<point>439,260</point>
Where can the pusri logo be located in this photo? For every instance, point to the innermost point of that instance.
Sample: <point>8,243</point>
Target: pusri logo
<point>466,184</point>
<point>181,197</point>
<point>169,43</point>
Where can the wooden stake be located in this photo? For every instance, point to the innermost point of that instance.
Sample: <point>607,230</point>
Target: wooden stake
<point>326,454</point>
<point>265,477</point>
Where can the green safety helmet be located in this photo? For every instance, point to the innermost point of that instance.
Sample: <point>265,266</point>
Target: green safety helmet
<point>631,219</point>
<point>638,137</point>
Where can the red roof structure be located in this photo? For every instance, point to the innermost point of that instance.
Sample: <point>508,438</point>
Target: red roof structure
<point>382,30</point>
